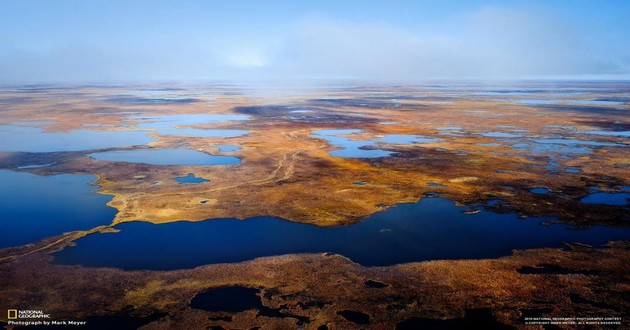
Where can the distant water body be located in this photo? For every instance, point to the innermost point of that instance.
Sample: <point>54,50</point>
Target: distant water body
<point>165,157</point>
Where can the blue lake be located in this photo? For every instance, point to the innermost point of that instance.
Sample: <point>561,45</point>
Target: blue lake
<point>625,134</point>
<point>571,142</point>
<point>542,148</point>
<point>607,198</point>
<point>433,228</point>
<point>540,191</point>
<point>190,178</point>
<point>165,157</point>
<point>34,207</point>
<point>33,139</point>
<point>365,148</point>
<point>350,148</point>
<point>561,146</point>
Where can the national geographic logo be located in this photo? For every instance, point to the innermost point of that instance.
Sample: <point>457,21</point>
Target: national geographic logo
<point>14,314</point>
<point>31,317</point>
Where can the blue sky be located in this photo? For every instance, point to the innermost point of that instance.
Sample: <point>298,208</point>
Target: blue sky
<point>94,41</point>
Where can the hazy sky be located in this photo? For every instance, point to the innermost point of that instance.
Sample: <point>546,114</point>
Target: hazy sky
<point>93,41</point>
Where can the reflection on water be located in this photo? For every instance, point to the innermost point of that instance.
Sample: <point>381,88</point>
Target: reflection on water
<point>234,299</point>
<point>33,139</point>
<point>540,191</point>
<point>561,146</point>
<point>34,207</point>
<point>351,148</point>
<point>550,148</point>
<point>570,142</point>
<point>165,157</point>
<point>433,228</point>
<point>607,198</point>
<point>228,148</point>
<point>26,167</point>
<point>231,299</point>
<point>625,134</point>
<point>365,148</point>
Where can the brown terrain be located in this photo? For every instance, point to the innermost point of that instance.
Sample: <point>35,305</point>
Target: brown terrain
<point>286,171</point>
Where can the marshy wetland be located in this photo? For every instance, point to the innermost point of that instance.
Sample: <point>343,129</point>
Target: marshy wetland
<point>327,207</point>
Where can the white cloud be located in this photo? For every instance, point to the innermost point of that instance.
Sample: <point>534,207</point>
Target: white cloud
<point>245,58</point>
<point>489,43</point>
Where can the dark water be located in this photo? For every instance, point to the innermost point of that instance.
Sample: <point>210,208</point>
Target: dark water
<point>553,269</point>
<point>540,191</point>
<point>34,207</point>
<point>375,284</point>
<point>232,299</point>
<point>165,157</point>
<point>433,228</point>
<point>355,317</point>
<point>607,198</point>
